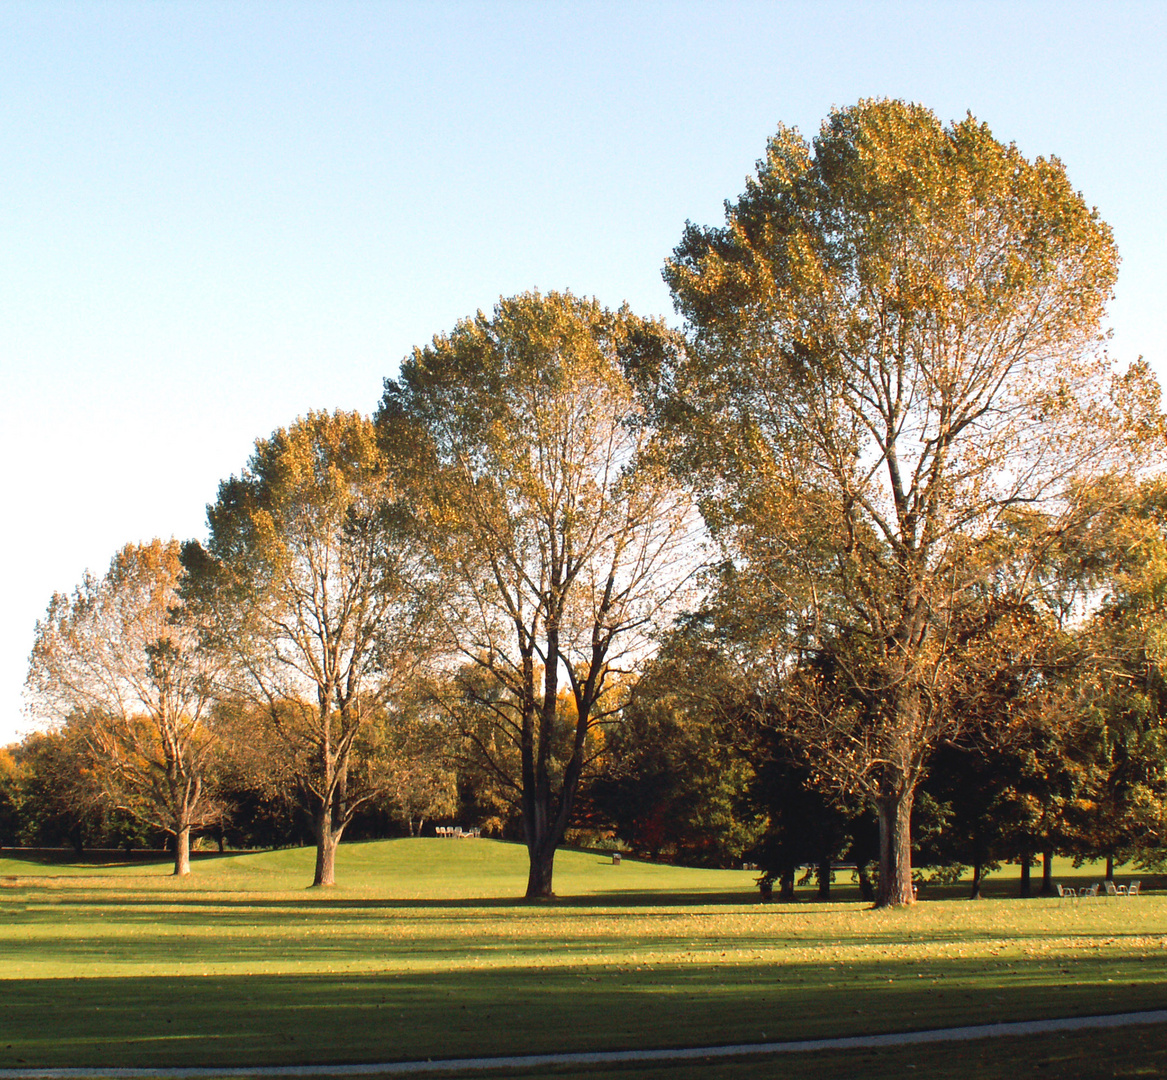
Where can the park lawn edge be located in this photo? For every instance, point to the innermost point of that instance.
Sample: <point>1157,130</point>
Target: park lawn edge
<point>492,976</point>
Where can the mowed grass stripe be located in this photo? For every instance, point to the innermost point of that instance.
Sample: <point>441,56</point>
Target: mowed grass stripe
<point>242,965</point>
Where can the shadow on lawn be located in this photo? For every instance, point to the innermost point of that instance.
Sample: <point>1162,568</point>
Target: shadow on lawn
<point>110,858</point>
<point>330,901</point>
<point>282,1019</point>
<point>325,901</point>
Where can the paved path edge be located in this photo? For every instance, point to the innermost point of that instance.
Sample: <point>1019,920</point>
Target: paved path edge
<point>609,1057</point>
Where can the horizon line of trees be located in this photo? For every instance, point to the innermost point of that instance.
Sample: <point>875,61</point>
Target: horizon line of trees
<point>867,560</point>
<point>699,770</point>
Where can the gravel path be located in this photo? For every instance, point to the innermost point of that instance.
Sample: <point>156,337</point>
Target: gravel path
<point>608,1057</point>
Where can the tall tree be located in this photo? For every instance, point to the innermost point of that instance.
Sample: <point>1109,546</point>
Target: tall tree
<point>120,661</point>
<point>312,588</point>
<point>562,535</point>
<point>893,344</point>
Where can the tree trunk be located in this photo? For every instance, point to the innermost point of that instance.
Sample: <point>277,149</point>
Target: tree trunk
<point>786,886</point>
<point>182,851</point>
<point>1025,890</point>
<point>327,837</point>
<point>1109,867</point>
<point>540,834</point>
<point>325,862</point>
<point>824,876</point>
<point>542,866</point>
<point>978,874</point>
<point>1047,872</point>
<point>895,850</point>
<point>866,889</point>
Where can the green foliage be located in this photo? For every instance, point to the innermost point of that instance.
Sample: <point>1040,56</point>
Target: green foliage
<point>57,796</point>
<point>11,797</point>
<point>675,780</point>
<point>1126,686</point>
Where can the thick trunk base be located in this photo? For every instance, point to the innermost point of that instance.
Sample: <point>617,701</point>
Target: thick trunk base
<point>325,863</point>
<point>540,875</point>
<point>182,852</point>
<point>895,851</point>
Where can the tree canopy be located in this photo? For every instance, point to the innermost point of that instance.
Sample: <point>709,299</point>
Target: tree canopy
<point>120,660</point>
<point>894,346</point>
<point>549,511</point>
<point>314,593</point>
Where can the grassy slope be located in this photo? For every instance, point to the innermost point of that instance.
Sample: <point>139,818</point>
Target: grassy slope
<point>423,951</point>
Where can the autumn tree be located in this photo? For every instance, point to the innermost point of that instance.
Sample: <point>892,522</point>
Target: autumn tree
<point>119,662</point>
<point>549,512</point>
<point>1125,682</point>
<point>894,343</point>
<point>423,779</point>
<point>11,797</point>
<point>413,748</point>
<point>312,590</point>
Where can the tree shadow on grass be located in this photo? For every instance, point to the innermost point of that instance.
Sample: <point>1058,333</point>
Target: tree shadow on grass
<point>339,902</point>
<point>403,1015</point>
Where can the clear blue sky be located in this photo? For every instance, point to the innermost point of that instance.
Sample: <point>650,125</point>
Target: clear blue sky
<point>216,216</point>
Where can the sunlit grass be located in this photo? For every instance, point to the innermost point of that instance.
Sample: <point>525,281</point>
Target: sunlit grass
<point>424,950</point>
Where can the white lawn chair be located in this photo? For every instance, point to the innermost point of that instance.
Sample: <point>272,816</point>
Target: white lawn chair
<point>1134,888</point>
<point>1065,892</point>
<point>1089,890</point>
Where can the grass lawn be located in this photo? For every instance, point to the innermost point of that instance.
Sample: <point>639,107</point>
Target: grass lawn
<point>423,950</point>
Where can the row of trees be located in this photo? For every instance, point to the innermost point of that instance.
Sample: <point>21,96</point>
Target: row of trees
<point>496,549</point>
<point>887,474</point>
<point>701,770</point>
<point>1066,754</point>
